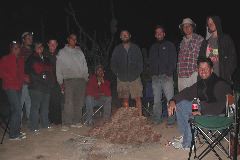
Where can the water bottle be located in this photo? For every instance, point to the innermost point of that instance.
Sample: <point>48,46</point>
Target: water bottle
<point>195,105</point>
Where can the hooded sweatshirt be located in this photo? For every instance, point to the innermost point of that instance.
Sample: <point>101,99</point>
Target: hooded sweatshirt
<point>226,51</point>
<point>71,63</point>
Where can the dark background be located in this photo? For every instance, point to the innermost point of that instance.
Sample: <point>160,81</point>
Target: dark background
<point>139,16</point>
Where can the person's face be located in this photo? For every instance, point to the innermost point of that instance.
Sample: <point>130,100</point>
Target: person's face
<point>15,49</point>
<point>125,36</point>
<point>52,45</point>
<point>187,29</point>
<point>28,40</point>
<point>100,72</point>
<point>204,70</point>
<point>39,49</point>
<point>159,34</point>
<point>211,25</point>
<point>72,40</point>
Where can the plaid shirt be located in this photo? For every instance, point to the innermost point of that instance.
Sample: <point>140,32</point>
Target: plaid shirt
<point>188,54</point>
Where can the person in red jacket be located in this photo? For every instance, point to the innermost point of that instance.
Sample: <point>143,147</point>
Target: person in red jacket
<point>13,77</point>
<point>98,92</point>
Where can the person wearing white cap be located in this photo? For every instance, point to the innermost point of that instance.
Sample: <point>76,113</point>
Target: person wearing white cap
<point>188,54</point>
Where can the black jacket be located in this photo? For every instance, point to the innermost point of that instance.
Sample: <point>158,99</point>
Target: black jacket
<point>162,58</point>
<point>227,52</point>
<point>211,92</point>
<point>41,73</point>
<point>127,66</point>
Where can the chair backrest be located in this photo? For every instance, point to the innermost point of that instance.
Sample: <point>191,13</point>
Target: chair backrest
<point>230,105</point>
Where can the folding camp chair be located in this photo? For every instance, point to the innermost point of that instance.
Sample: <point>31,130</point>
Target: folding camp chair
<point>4,124</point>
<point>97,109</point>
<point>148,99</point>
<point>213,130</point>
<point>4,119</point>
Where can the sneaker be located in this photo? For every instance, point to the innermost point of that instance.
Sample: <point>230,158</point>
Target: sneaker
<point>20,137</point>
<point>178,139</point>
<point>36,132</point>
<point>64,128</point>
<point>178,145</point>
<point>77,125</point>
<point>49,128</point>
<point>23,133</point>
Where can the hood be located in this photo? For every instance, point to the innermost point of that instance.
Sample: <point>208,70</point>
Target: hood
<point>217,22</point>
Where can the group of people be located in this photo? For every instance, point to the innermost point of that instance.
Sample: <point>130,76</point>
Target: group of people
<point>204,71</point>
<point>56,84</point>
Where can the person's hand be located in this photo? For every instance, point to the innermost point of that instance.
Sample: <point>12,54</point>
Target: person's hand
<point>101,79</point>
<point>214,59</point>
<point>196,113</point>
<point>62,88</point>
<point>171,108</point>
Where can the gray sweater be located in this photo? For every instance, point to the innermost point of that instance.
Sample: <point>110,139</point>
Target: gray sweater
<point>71,63</point>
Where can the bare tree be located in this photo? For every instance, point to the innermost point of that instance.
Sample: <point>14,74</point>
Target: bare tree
<point>97,50</point>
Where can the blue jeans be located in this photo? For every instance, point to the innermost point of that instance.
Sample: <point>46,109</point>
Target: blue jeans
<point>14,98</point>
<point>91,102</point>
<point>184,113</point>
<point>40,101</point>
<point>26,100</point>
<point>161,84</point>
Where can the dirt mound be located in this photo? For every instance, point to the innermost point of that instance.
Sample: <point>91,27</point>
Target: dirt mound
<point>126,127</point>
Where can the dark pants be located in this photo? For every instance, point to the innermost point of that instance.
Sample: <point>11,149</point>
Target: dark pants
<point>14,98</point>
<point>55,108</point>
<point>40,102</point>
<point>74,100</point>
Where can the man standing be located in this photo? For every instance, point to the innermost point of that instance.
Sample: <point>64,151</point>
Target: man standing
<point>26,51</point>
<point>211,91</point>
<point>163,59</point>
<point>220,49</point>
<point>127,65</point>
<point>40,71</point>
<point>188,54</point>
<point>12,74</point>
<point>98,93</point>
<point>55,113</point>
<point>72,75</point>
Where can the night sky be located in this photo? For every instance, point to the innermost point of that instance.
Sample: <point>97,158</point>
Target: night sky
<point>139,16</point>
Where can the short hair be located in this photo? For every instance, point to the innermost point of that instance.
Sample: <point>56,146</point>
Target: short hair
<point>160,27</point>
<point>205,59</point>
<point>99,66</point>
<point>37,44</point>
<point>71,34</point>
<point>125,30</point>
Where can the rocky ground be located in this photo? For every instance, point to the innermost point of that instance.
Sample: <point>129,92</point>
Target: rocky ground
<point>100,142</point>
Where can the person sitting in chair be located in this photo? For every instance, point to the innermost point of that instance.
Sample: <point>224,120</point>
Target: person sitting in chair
<point>98,93</point>
<point>210,90</point>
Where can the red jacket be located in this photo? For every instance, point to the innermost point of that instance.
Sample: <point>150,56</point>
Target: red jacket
<point>12,72</point>
<point>94,90</point>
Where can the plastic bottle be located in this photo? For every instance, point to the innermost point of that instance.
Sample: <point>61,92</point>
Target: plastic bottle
<point>195,105</point>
